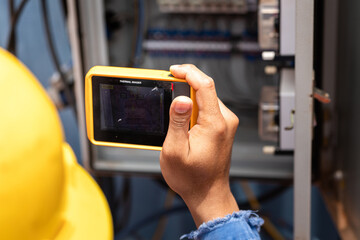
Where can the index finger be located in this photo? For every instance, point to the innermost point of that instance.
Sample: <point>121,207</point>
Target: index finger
<point>204,87</point>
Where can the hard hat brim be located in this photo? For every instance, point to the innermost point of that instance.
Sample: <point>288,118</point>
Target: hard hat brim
<point>44,192</point>
<point>87,214</point>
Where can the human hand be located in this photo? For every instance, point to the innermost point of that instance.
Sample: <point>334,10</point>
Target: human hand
<point>195,163</point>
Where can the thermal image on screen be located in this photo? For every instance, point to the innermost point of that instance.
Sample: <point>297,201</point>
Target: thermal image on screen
<point>132,108</point>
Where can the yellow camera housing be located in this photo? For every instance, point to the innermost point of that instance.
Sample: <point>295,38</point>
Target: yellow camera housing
<point>129,107</point>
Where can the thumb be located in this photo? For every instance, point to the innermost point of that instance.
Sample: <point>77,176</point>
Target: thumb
<point>180,113</point>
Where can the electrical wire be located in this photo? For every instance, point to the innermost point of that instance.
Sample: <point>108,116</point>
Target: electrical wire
<point>160,229</point>
<point>123,201</point>
<point>255,205</point>
<point>67,91</point>
<point>11,4</point>
<point>137,236</point>
<point>108,186</point>
<point>11,7</point>
<point>149,219</point>
<point>11,43</point>
<point>182,207</point>
<point>135,34</point>
<point>140,32</point>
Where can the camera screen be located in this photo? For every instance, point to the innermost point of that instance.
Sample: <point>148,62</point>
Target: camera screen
<point>132,111</point>
<point>132,108</point>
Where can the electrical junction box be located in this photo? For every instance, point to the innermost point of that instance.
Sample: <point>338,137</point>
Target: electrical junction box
<point>210,41</point>
<point>268,22</point>
<point>287,109</point>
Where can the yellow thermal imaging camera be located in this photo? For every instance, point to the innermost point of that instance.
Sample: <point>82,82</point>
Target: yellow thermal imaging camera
<point>129,107</point>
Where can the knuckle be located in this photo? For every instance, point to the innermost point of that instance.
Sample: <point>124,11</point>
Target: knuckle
<point>208,82</point>
<point>220,129</point>
<point>189,66</point>
<point>235,121</point>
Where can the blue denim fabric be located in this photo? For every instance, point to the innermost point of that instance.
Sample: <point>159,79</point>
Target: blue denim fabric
<point>239,225</point>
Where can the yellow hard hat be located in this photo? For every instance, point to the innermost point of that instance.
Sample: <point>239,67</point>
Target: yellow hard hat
<point>44,193</point>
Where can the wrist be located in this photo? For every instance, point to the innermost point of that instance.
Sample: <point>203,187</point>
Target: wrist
<point>214,203</point>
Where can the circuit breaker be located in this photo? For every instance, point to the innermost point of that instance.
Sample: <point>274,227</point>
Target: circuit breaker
<point>277,40</point>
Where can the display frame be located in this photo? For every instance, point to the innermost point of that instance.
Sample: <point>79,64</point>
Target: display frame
<point>133,77</point>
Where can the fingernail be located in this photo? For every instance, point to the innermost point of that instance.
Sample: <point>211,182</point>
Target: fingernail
<point>173,67</point>
<point>181,107</point>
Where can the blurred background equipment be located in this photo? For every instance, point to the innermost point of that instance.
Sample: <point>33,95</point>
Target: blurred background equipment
<point>223,43</point>
<point>245,46</point>
<point>249,48</point>
<point>235,42</point>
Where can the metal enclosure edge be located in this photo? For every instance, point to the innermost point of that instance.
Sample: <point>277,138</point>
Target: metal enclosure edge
<point>303,117</point>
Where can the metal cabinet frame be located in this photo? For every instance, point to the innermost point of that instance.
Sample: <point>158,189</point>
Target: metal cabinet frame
<point>90,46</point>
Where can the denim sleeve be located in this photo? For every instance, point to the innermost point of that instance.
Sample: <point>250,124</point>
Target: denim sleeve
<point>239,225</point>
